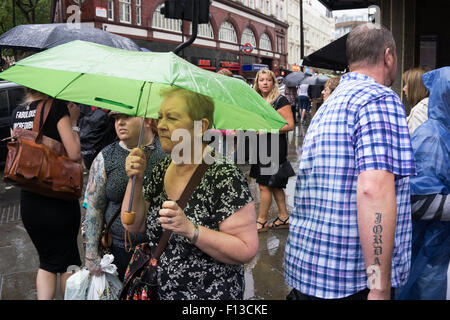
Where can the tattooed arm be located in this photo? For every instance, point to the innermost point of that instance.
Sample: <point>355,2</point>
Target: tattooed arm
<point>96,206</point>
<point>377,213</point>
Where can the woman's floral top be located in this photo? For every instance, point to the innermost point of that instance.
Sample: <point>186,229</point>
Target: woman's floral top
<point>184,271</point>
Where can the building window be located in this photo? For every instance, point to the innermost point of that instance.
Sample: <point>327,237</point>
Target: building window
<point>125,11</point>
<point>265,43</point>
<point>161,22</point>
<point>248,37</point>
<point>111,10</point>
<point>280,44</point>
<point>227,32</point>
<point>138,12</point>
<point>204,30</point>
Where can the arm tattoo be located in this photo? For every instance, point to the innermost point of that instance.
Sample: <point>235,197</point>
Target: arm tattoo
<point>377,238</point>
<point>96,205</point>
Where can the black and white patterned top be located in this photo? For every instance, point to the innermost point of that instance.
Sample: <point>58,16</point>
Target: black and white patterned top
<point>184,271</point>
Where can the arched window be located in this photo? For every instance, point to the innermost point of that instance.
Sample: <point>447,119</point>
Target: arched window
<point>248,37</point>
<point>204,30</point>
<point>265,43</point>
<point>161,22</point>
<point>227,32</point>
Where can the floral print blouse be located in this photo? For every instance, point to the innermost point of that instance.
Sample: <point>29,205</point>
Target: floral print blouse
<point>184,271</point>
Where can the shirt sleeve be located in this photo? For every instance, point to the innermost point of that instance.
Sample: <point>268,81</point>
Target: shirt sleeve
<point>283,101</point>
<point>231,191</point>
<point>59,110</point>
<point>382,139</point>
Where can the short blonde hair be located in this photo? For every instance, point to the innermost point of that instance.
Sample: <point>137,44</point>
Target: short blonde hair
<point>198,106</point>
<point>225,72</point>
<point>274,93</point>
<point>416,89</point>
<point>332,83</point>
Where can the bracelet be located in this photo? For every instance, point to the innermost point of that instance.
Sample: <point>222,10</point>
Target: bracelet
<point>76,129</point>
<point>195,237</point>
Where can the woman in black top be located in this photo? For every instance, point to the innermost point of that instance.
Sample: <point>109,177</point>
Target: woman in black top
<point>267,86</point>
<point>51,223</point>
<point>106,188</point>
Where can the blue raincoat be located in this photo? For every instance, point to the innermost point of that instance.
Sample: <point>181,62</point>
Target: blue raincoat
<point>431,239</point>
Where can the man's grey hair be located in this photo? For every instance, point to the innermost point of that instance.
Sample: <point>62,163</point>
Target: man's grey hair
<point>367,42</point>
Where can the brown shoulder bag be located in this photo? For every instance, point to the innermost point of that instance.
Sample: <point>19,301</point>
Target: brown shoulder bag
<point>40,164</point>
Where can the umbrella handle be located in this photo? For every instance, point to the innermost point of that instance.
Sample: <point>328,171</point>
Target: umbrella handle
<point>128,216</point>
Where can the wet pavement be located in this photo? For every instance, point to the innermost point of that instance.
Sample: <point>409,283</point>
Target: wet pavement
<point>264,275</point>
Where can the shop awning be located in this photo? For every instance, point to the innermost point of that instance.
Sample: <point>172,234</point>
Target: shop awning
<point>333,56</point>
<point>348,4</point>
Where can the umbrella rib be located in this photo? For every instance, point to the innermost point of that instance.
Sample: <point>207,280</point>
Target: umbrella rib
<point>76,78</point>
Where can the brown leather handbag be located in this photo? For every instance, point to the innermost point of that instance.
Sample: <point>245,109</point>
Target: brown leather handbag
<point>40,164</point>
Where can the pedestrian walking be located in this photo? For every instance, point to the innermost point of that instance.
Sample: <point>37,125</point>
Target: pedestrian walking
<point>51,223</point>
<point>106,187</point>
<point>417,97</point>
<point>215,234</point>
<point>304,102</point>
<point>272,185</point>
<point>350,232</point>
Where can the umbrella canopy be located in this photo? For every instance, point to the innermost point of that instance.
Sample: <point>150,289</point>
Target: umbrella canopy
<point>321,79</point>
<point>293,79</point>
<point>310,80</point>
<point>332,57</point>
<point>130,82</point>
<point>38,37</point>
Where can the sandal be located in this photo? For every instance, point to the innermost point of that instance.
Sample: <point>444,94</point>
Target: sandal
<point>283,225</point>
<point>264,226</point>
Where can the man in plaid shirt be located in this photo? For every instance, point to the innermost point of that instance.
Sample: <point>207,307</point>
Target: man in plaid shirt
<point>350,231</point>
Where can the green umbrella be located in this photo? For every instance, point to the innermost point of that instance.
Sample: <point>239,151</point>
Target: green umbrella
<point>130,82</point>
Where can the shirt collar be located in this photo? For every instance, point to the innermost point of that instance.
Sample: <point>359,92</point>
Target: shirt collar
<point>350,76</point>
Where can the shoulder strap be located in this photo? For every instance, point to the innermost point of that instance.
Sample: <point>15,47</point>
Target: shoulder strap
<point>43,107</point>
<point>190,187</point>
<point>274,103</point>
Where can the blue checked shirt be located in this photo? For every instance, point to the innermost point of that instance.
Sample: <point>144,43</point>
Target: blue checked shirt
<point>362,126</point>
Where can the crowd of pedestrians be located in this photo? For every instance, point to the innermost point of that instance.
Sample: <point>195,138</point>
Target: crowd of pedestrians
<point>371,190</point>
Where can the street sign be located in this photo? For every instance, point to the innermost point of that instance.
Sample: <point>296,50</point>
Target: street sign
<point>247,48</point>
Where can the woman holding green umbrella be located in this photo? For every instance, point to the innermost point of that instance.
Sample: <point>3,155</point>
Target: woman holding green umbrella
<point>216,232</point>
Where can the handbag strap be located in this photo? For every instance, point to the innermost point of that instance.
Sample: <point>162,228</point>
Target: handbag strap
<point>182,201</point>
<point>44,106</point>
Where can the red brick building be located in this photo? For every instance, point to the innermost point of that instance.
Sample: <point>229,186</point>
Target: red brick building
<point>218,44</point>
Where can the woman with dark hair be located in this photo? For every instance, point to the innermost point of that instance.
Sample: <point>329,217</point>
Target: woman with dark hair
<point>51,223</point>
<point>106,188</point>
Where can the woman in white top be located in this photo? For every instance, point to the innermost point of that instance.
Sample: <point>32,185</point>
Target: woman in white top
<point>417,96</point>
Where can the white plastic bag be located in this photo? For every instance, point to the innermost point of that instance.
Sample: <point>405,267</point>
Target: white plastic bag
<point>107,286</point>
<point>77,285</point>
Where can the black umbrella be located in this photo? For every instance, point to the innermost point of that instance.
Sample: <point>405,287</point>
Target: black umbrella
<point>293,79</point>
<point>332,57</point>
<point>37,37</point>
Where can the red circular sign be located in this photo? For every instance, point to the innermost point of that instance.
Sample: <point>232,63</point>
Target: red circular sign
<point>247,48</point>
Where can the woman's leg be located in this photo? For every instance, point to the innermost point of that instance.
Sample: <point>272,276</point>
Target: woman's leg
<point>265,202</point>
<point>46,285</point>
<point>280,199</point>
<point>62,282</point>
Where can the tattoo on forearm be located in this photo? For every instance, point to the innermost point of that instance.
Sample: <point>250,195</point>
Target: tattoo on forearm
<point>377,238</point>
<point>96,205</point>
<point>374,271</point>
